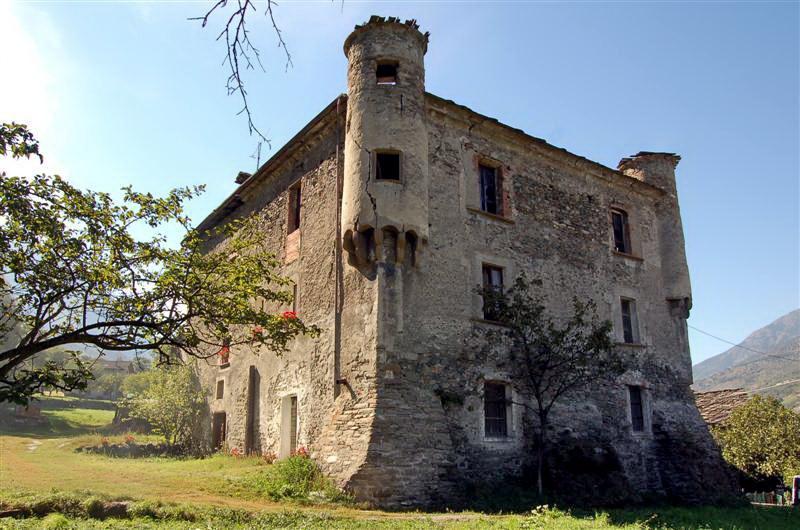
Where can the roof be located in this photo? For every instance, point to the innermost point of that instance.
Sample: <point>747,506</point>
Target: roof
<point>234,200</point>
<point>716,406</point>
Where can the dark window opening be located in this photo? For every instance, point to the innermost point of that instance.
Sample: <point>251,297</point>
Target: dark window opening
<point>628,320</point>
<point>294,298</point>
<point>490,189</point>
<point>492,290</point>
<point>220,389</point>
<point>387,166</point>
<point>622,236</point>
<point>637,408</point>
<point>295,202</point>
<point>494,410</point>
<point>386,73</point>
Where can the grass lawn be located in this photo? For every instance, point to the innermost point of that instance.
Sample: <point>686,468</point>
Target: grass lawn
<point>39,467</point>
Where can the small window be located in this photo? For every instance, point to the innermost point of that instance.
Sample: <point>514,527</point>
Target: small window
<point>637,408</point>
<point>490,189</point>
<point>630,331</point>
<point>220,389</point>
<point>295,202</point>
<point>622,234</point>
<point>387,166</point>
<point>294,298</point>
<point>492,287</point>
<point>386,73</point>
<point>495,411</point>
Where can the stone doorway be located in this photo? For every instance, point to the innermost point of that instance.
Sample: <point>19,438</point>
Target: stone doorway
<point>218,427</point>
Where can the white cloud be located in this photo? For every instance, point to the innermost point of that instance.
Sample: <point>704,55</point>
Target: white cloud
<point>28,89</point>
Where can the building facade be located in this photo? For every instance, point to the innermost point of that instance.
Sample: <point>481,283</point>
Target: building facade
<point>388,210</point>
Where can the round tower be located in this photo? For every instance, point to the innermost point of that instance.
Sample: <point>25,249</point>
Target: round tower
<point>385,189</point>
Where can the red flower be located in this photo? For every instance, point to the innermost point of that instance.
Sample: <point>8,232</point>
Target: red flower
<point>301,451</point>
<point>289,315</point>
<point>258,330</point>
<point>225,350</point>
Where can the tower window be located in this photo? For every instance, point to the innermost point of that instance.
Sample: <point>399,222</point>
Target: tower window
<point>622,233</point>
<point>387,166</point>
<point>386,73</point>
<point>220,389</point>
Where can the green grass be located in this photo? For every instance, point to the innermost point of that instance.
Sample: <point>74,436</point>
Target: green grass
<point>40,469</point>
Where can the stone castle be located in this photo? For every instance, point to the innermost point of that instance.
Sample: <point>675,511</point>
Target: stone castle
<point>388,210</point>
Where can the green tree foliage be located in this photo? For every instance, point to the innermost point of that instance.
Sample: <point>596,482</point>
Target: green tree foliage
<point>762,439</point>
<point>552,357</point>
<point>172,403</point>
<point>75,270</point>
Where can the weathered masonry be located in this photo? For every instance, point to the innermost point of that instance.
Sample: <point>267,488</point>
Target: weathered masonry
<point>388,210</point>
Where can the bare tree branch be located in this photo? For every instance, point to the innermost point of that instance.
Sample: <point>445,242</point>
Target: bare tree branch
<point>240,52</point>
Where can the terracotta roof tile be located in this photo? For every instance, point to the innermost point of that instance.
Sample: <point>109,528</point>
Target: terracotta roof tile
<point>717,405</point>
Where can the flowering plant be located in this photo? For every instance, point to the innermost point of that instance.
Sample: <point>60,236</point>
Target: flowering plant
<point>129,439</point>
<point>258,330</point>
<point>269,457</point>
<point>235,452</point>
<point>104,441</point>
<point>301,451</point>
<point>289,315</point>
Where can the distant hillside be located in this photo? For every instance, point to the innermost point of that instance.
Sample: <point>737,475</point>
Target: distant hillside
<point>738,367</point>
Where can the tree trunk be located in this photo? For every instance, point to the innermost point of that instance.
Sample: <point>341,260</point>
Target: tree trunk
<point>540,451</point>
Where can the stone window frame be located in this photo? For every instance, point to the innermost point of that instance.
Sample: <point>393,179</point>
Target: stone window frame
<point>514,414</point>
<point>636,333</point>
<point>640,326</point>
<point>509,410</point>
<point>374,165</point>
<point>219,391</point>
<point>631,232</point>
<point>476,283</point>
<point>503,185</point>
<point>635,379</point>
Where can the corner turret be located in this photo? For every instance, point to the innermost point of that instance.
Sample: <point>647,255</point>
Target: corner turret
<point>385,190</point>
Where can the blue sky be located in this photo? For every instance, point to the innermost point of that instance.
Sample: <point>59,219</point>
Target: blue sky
<point>133,93</point>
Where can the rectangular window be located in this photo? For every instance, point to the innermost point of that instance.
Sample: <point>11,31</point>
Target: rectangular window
<point>386,73</point>
<point>294,298</point>
<point>220,389</point>
<point>490,189</point>
<point>295,203</point>
<point>492,287</point>
<point>637,408</point>
<point>630,330</point>
<point>494,410</point>
<point>622,236</point>
<point>387,166</point>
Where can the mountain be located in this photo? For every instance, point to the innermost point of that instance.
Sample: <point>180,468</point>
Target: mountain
<point>776,374</point>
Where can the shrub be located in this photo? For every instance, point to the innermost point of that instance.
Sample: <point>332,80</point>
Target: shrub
<point>295,478</point>
<point>55,521</point>
<point>269,457</point>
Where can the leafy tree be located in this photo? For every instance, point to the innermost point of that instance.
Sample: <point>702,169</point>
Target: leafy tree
<point>172,403</point>
<point>72,272</point>
<point>552,358</point>
<point>762,439</point>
